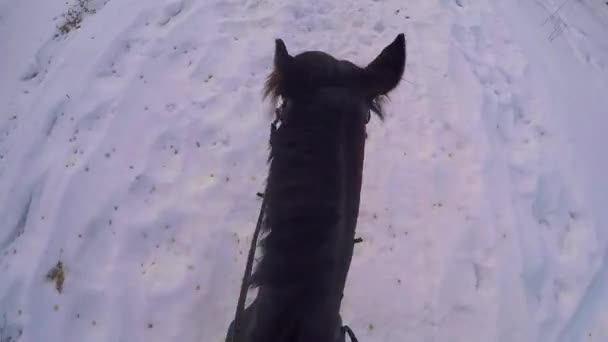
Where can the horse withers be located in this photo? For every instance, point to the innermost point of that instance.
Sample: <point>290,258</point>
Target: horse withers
<point>311,202</point>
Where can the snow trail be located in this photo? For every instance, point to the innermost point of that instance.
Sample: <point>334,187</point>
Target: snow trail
<point>132,147</point>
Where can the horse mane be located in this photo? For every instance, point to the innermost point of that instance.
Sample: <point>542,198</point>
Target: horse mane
<point>296,226</point>
<point>272,86</point>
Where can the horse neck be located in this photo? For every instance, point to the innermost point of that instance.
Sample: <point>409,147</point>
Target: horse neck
<point>312,206</point>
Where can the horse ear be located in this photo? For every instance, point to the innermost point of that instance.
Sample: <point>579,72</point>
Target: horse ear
<point>276,82</point>
<point>385,72</point>
<point>281,56</point>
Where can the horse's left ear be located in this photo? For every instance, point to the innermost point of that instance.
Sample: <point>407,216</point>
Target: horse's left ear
<point>276,84</point>
<point>282,59</point>
<point>385,72</point>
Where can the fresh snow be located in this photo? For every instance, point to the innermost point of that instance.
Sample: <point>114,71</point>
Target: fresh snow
<point>132,147</point>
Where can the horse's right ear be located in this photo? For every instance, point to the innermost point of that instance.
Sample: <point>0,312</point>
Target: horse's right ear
<point>282,59</point>
<point>384,73</point>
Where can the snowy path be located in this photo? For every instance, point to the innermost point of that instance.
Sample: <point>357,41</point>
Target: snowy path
<point>131,150</point>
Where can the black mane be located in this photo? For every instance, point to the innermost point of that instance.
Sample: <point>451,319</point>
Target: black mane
<point>304,161</point>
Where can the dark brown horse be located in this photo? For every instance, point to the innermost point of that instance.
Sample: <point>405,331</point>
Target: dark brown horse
<point>313,190</point>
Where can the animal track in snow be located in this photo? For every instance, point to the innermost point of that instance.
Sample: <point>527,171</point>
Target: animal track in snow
<point>170,12</point>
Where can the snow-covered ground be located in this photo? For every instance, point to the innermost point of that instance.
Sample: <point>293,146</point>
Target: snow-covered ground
<point>131,150</point>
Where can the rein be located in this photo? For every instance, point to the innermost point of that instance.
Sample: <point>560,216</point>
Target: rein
<point>240,308</point>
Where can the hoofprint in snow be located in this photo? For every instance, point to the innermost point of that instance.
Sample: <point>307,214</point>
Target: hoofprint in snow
<point>131,149</point>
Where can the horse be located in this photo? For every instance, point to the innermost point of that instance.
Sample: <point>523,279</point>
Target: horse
<point>312,195</point>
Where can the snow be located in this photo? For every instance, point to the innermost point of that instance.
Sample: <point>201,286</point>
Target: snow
<point>131,149</point>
